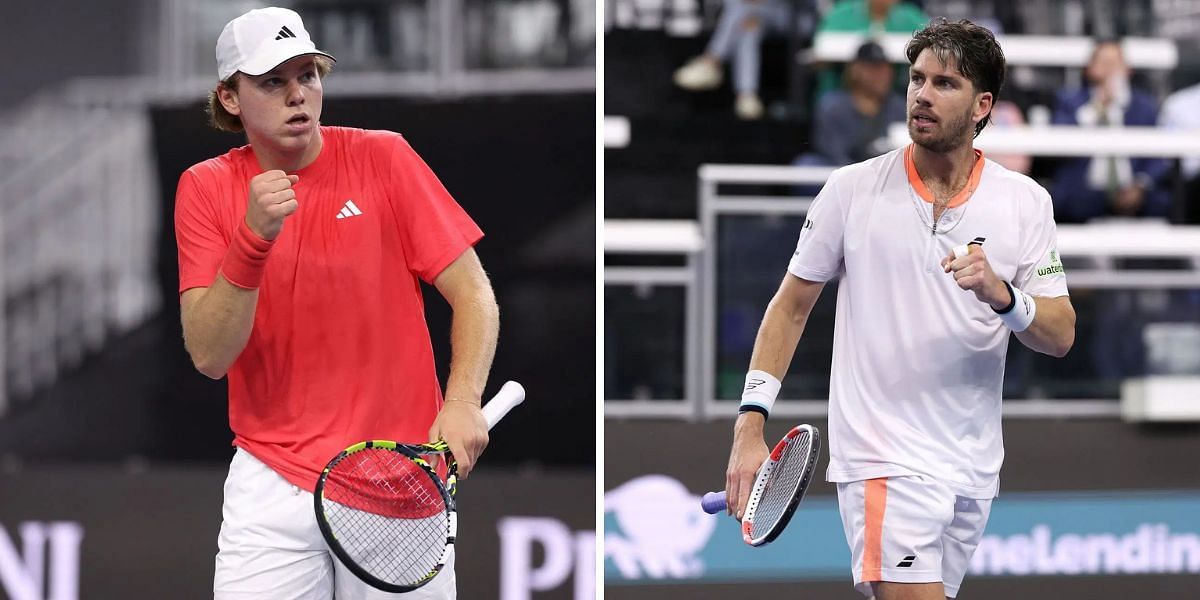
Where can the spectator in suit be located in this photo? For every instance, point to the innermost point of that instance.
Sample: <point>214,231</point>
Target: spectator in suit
<point>1089,187</point>
<point>1181,112</point>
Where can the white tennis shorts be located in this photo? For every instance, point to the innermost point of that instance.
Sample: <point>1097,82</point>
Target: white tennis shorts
<point>910,530</point>
<point>270,546</point>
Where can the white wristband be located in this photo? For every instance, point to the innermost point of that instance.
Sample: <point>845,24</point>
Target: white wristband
<point>760,392</point>
<point>1020,315</point>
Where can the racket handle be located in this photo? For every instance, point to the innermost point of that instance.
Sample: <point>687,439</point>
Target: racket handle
<point>713,502</point>
<point>510,395</point>
<point>965,249</point>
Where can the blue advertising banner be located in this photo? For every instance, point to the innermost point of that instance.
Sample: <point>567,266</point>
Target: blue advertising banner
<point>656,532</point>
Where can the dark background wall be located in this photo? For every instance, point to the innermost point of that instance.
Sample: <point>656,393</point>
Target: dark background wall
<point>48,41</point>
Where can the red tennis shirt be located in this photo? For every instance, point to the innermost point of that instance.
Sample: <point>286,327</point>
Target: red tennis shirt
<point>340,350</point>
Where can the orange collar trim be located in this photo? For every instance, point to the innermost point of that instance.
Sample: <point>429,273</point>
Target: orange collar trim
<point>914,179</point>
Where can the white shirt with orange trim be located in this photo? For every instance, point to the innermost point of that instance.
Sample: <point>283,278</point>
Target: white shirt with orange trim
<point>918,363</point>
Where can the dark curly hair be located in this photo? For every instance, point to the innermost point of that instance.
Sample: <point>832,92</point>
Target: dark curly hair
<point>973,48</point>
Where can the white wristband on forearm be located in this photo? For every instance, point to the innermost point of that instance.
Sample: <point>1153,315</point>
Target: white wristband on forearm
<point>760,392</point>
<point>1019,313</point>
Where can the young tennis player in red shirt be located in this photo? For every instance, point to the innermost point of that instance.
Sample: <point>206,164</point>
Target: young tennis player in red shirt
<point>301,257</point>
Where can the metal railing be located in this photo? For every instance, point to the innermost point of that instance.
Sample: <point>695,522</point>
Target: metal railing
<point>1097,253</point>
<point>661,238</point>
<point>79,213</point>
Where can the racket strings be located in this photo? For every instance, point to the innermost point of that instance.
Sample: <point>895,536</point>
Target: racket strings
<point>781,483</point>
<point>388,515</point>
<point>397,551</point>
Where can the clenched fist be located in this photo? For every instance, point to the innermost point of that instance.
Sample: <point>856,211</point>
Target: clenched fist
<point>271,200</point>
<point>973,272</point>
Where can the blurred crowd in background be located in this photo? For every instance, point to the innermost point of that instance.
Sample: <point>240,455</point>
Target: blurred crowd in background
<point>758,82</point>
<point>851,105</point>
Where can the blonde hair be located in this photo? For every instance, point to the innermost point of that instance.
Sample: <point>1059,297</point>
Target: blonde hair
<point>223,120</point>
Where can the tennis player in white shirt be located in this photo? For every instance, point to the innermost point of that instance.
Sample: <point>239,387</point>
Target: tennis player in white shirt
<point>940,253</point>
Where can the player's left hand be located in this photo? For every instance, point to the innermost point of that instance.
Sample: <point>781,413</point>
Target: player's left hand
<point>974,273</point>
<point>462,426</point>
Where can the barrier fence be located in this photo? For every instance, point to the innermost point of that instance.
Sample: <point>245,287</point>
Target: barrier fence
<point>746,225</point>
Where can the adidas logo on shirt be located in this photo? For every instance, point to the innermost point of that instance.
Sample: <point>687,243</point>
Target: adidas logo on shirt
<point>285,33</point>
<point>349,210</point>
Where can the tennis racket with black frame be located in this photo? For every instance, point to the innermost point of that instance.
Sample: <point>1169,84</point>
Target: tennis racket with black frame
<point>780,485</point>
<point>386,513</point>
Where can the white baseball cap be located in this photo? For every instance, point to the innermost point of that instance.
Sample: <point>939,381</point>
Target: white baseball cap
<point>261,40</point>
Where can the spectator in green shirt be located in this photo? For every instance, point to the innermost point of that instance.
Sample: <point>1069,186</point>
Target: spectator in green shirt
<point>871,18</point>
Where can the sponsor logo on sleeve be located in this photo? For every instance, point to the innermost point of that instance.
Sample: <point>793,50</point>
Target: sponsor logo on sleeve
<point>808,224</point>
<point>1053,267</point>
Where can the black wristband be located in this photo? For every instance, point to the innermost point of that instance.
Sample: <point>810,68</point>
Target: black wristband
<point>744,408</point>
<point>1012,300</point>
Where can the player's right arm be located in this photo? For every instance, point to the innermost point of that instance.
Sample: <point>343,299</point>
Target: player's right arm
<point>216,324</point>
<point>780,331</point>
<point>217,319</point>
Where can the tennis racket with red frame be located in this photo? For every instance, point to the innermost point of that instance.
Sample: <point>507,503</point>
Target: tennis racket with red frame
<point>386,513</point>
<point>782,480</point>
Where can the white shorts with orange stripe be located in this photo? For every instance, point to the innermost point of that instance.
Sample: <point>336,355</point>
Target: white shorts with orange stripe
<point>910,530</point>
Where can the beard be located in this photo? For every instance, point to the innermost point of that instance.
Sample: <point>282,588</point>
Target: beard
<point>951,134</point>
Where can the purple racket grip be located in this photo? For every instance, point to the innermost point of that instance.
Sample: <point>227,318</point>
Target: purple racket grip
<point>713,502</point>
